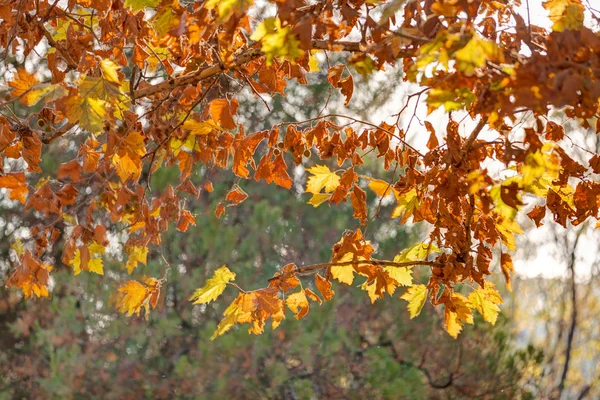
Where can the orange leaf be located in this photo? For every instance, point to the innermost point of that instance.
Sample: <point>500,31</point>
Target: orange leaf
<point>324,286</point>
<point>221,111</point>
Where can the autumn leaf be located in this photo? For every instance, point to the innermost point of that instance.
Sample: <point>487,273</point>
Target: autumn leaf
<point>213,287</point>
<point>134,295</point>
<point>324,286</point>
<point>506,265</point>
<point>137,5</point>
<point>407,202</point>
<point>319,198</point>
<point>456,314</point>
<point>27,88</point>
<point>277,41</point>
<point>228,8</point>
<point>486,300</point>
<point>322,177</point>
<point>359,203</point>
<point>298,303</point>
<point>402,275</point>
<point>476,53</point>
<point>15,182</point>
<point>381,188</point>
<point>200,128</point>
<point>221,111</point>
<point>137,254</point>
<point>416,296</point>
<point>110,71</point>
<point>566,14</point>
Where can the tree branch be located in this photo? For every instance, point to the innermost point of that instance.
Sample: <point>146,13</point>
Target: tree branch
<point>194,77</point>
<point>314,267</point>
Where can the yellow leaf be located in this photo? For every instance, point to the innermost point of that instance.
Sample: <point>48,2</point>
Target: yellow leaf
<point>507,228</point>
<point>137,254</point>
<point>89,113</point>
<point>126,168</point>
<point>313,63</point>
<point>457,312</point>
<point>371,290</point>
<point>298,303</point>
<point>344,274</point>
<point>76,262</point>
<point>416,296</point>
<point>566,14</point>
<point>18,247</point>
<point>319,198</point>
<point>277,41</point>
<point>200,128</point>
<point>110,71</point>
<point>214,286</point>
<point>416,252</point>
<point>381,188</point>
<point>95,266</point>
<point>137,5</point>
<point>321,178</point>
<point>96,248</point>
<point>227,8</point>
<point>134,296</point>
<point>476,53</point>
<point>486,301</point>
<point>402,275</point>
<point>406,204</point>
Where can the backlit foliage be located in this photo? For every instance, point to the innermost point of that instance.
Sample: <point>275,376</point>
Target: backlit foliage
<point>137,86</point>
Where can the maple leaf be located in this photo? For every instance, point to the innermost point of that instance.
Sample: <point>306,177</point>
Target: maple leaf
<point>359,203</point>
<point>507,228</point>
<point>277,41</point>
<point>137,254</point>
<point>200,128</point>
<point>26,88</point>
<point>476,53</point>
<point>31,276</point>
<point>16,183</point>
<point>566,14</point>
<point>402,275</point>
<point>416,296</point>
<point>213,287</point>
<point>322,177</point>
<point>88,258</point>
<point>319,198</point>
<point>324,286</point>
<point>381,188</point>
<point>407,202</point>
<point>134,294</point>
<point>235,313</point>
<point>458,311</point>
<point>298,303</point>
<point>228,8</point>
<point>90,113</point>
<point>221,111</point>
<point>137,5</point>
<point>416,252</point>
<point>110,71</point>
<point>486,300</point>
<point>135,297</point>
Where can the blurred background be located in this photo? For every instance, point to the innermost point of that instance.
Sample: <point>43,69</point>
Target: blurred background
<point>546,343</point>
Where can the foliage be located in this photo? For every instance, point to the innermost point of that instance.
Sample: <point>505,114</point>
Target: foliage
<point>134,88</point>
<point>72,346</point>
